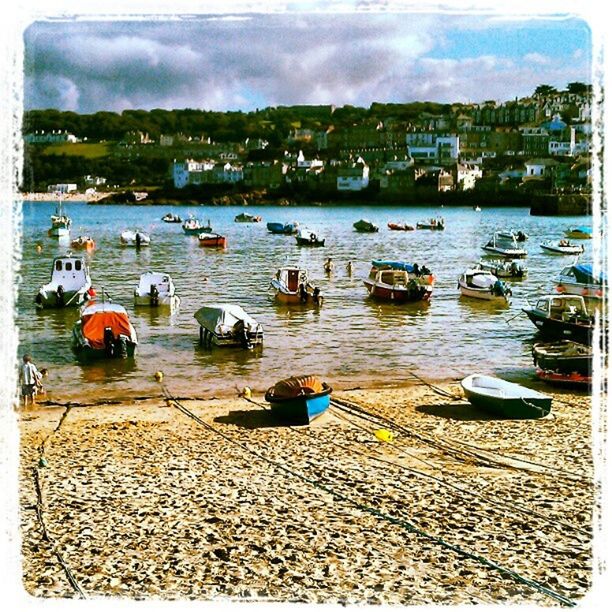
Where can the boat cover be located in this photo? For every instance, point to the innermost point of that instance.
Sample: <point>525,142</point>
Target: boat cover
<point>97,317</point>
<point>162,281</point>
<point>484,281</point>
<point>221,319</point>
<point>584,274</point>
<point>394,265</point>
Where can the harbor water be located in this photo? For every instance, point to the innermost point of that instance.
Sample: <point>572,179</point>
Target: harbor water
<point>351,340</point>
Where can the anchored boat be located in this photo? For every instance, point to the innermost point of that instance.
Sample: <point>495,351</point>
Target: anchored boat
<point>580,279</point>
<point>365,226</point>
<point>482,285</point>
<point>283,228</point>
<point>156,289</point>
<point>171,218</point>
<point>400,227</point>
<point>503,268</point>
<point>307,237</point>
<point>505,247</point>
<point>563,357</point>
<point>193,227</point>
<point>247,218</point>
<point>60,222</point>
<point>293,286</point>
<point>399,281</point>
<point>299,400</point>
<point>504,398</point>
<point>432,224</point>
<point>583,232</point>
<point>134,238</point>
<point>228,325</point>
<point>561,247</point>
<point>70,284</point>
<point>83,243</point>
<point>518,236</point>
<point>210,239</point>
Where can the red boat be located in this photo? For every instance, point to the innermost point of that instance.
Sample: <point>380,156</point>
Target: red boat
<point>395,281</point>
<point>400,227</point>
<point>560,378</point>
<point>208,239</point>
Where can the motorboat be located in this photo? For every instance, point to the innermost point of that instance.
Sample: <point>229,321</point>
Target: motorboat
<point>432,224</point>
<point>563,357</point>
<point>483,285</point>
<point>583,232</point>
<point>580,279</point>
<point>70,284</point>
<point>171,218</point>
<point>103,331</point>
<point>292,286</point>
<point>135,238</point>
<point>562,247</point>
<point>60,222</point>
<point>299,400</point>
<point>562,316</point>
<point>477,208</point>
<point>193,226</point>
<point>399,281</point>
<point>83,243</point>
<point>365,226</point>
<point>508,248</point>
<point>504,268</point>
<point>156,289</point>
<point>517,236</point>
<point>210,239</point>
<point>400,227</point>
<point>283,228</point>
<point>247,218</point>
<point>228,325</point>
<point>505,399</point>
<point>306,237</point>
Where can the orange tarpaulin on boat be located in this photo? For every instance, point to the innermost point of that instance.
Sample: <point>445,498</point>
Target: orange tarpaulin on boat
<point>95,324</point>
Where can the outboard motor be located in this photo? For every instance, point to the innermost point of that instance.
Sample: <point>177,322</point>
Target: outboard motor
<point>59,295</point>
<point>109,342</point>
<point>154,295</point>
<point>122,347</point>
<point>138,240</point>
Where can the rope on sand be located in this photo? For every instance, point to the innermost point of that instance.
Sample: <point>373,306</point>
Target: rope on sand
<point>404,524</point>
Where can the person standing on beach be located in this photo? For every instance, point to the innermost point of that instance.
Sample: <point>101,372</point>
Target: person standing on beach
<point>29,377</point>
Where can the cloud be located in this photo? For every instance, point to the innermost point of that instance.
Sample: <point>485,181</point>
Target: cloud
<point>536,58</point>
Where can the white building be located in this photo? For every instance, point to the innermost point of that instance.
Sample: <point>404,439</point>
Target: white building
<point>467,175</point>
<point>54,136</point>
<point>190,172</point>
<point>62,188</point>
<point>429,146</point>
<point>353,177</point>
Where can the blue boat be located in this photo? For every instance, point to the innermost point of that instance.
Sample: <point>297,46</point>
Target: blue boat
<point>295,401</point>
<point>282,228</point>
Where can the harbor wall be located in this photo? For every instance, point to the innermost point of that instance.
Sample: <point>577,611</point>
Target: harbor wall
<point>561,204</point>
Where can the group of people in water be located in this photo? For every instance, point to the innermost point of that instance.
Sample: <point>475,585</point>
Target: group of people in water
<point>329,267</point>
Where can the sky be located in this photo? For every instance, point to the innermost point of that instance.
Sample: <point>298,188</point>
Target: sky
<point>244,61</point>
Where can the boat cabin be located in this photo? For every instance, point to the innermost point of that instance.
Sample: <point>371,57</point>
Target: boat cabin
<point>162,283</point>
<point>69,272</point>
<point>563,307</point>
<point>292,278</point>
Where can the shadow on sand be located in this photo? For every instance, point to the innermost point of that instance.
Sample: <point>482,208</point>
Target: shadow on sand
<point>250,419</point>
<point>458,412</point>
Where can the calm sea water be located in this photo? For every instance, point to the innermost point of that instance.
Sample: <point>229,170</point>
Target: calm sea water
<point>348,341</point>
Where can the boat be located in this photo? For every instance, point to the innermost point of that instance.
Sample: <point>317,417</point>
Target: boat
<point>432,224</point>
<point>306,237</point>
<point>506,247</point>
<point>103,331</point>
<point>563,357</point>
<point>70,284</point>
<point>477,208</point>
<point>504,268</point>
<point>247,218</point>
<point>562,247</point>
<point>84,243</point>
<point>365,226</point>
<point>228,325</point>
<point>283,228</point>
<point>583,232</point>
<point>171,218</point>
<point>293,286</point>
<point>60,222</point>
<point>193,227</point>
<point>562,316</point>
<point>134,238</point>
<point>506,399</point>
<point>299,400</point>
<point>400,227</point>
<point>580,279</point>
<point>399,281</point>
<point>517,236</point>
<point>483,285</point>
<point>569,380</point>
<point>210,239</point>
<point>156,289</point>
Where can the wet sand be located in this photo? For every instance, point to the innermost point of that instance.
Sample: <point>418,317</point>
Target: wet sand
<point>142,500</point>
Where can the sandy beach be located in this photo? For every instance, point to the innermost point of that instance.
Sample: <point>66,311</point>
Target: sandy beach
<point>211,499</point>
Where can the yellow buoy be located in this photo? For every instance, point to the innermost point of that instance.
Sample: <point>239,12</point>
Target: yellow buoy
<point>246,393</point>
<point>384,435</point>
<point>38,248</point>
<point>159,376</point>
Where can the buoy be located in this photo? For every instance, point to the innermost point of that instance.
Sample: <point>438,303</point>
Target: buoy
<point>38,248</point>
<point>159,376</point>
<point>384,435</point>
<point>246,393</point>
<point>42,462</point>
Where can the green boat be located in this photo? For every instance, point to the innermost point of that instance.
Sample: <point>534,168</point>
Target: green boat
<point>504,398</point>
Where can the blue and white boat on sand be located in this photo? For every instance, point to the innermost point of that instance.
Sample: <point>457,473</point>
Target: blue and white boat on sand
<point>298,400</point>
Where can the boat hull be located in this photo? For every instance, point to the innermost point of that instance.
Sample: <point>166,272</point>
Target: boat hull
<point>562,379</point>
<point>552,250</point>
<point>70,299</point>
<point>563,357</point>
<point>85,352</point>
<point>165,301</point>
<point>482,294</point>
<point>59,232</point>
<point>308,242</point>
<point>300,410</point>
<point>506,253</point>
<point>577,234</point>
<point>219,242</point>
<point>554,328</point>
<point>429,226</point>
<point>210,338</point>
<point>400,228</point>
<point>515,408</point>
<point>583,289</point>
<point>397,295</point>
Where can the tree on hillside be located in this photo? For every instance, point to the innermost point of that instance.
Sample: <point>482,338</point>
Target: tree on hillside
<point>578,88</point>
<point>544,90</point>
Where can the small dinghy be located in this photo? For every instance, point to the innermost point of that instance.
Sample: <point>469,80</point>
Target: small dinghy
<point>299,400</point>
<point>561,247</point>
<point>563,357</point>
<point>581,280</point>
<point>283,228</point>
<point>228,325</point>
<point>70,284</point>
<point>508,248</point>
<point>400,227</point>
<point>134,238</point>
<point>503,268</point>
<point>365,226</point>
<point>156,289</point>
<point>584,232</point>
<point>171,218</point>
<point>293,286</point>
<point>247,218</point>
<point>83,243</point>
<point>432,224</point>
<point>210,239</point>
<point>307,237</point>
<point>482,285</point>
<point>504,398</point>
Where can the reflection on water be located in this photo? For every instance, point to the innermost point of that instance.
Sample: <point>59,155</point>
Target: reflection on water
<point>350,338</point>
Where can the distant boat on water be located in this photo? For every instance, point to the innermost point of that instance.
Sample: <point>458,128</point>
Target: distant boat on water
<point>365,226</point>
<point>247,218</point>
<point>583,232</point>
<point>60,222</point>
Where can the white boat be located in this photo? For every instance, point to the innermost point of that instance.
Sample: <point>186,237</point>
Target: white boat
<point>60,223</point>
<point>506,247</point>
<point>156,289</point>
<point>503,268</point>
<point>228,325</point>
<point>580,279</point>
<point>293,286</point>
<point>134,238</point>
<point>517,235</point>
<point>482,285</point>
<point>306,237</point>
<point>70,284</point>
<point>562,247</point>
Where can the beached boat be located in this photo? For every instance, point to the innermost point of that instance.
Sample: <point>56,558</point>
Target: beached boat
<point>583,232</point>
<point>365,226</point>
<point>134,238</point>
<point>60,222</point>
<point>483,285</point>
<point>171,218</point>
<point>562,316</point>
<point>299,400</point>
<point>156,289</point>
<point>228,325</point>
<point>293,286</point>
<point>505,247</point>
<point>432,224</point>
<point>306,237</point>
<point>504,268</point>
<point>283,228</point>
<point>83,243</point>
<point>247,218</point>
<point>561,247</point>
<point>210,239</point>
<point>103,331</point>
<point>70,284</point>
<point>194,227</point>
<point>516,235</point>
<point>566,380</point>
<point>399,281</point>
<point>563,357</point>
<point>580,279</point>
<point>504,398</point>
<point>400,227</point>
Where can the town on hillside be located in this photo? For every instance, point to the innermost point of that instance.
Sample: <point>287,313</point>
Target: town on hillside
<point>403,153</point>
